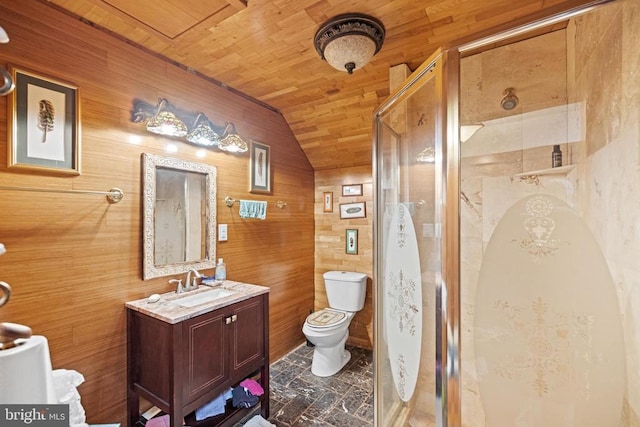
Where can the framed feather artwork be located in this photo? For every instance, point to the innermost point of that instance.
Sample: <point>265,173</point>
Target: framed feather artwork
<point>43,124</point>
<point>260,168</point>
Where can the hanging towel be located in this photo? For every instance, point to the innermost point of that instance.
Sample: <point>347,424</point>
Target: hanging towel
<point>253,386</point>
<point>214,407</point>
<point>253,209</point>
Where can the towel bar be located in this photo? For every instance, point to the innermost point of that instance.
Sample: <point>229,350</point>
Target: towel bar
<point>229,201</point>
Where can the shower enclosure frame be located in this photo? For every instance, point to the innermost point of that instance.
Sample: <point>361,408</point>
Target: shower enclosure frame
<point>444,67</point>
<point>441,66</point>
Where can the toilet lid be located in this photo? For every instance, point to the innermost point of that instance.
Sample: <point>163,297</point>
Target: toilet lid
<point>325,318</point>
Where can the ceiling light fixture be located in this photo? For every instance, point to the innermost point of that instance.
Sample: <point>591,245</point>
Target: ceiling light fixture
<point>347,42</point>
<point>231,141</point>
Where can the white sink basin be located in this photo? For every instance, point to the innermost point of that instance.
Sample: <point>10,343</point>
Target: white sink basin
<point>202,297</point>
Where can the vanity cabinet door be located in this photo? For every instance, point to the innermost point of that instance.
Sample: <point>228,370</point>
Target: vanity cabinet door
<point>206,362</point>
<point>246,338</point>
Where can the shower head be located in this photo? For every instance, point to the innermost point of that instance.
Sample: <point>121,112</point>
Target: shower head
<point>509,100</point>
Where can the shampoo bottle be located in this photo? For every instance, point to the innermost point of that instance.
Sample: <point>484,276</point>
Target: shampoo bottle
<point>556,157</point>
<point>221,270</point>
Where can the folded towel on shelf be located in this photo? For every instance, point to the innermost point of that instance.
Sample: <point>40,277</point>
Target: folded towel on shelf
<point>253,386</point>
<point>214,407</point>
<point>253,209</point>
<point>243,399</point>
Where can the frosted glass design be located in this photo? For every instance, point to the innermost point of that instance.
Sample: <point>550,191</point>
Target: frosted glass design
<point>539,227</point>
<point>549,347</point>
<point>403,302</point>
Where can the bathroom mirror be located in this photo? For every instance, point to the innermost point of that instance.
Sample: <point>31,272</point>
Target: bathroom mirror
<point>179,216</point>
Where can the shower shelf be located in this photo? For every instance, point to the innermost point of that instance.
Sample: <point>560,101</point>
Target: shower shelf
<point>562,170</point>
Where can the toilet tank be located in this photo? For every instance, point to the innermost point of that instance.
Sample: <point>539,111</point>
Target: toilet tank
<point>346,290</point>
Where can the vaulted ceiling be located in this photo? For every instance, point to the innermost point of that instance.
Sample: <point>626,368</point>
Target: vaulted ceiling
<point>264,49</point>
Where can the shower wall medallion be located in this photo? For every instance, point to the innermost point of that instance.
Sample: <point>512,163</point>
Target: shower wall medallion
<point>547,328</point>
<point>43,124</point>
<point>402,303</point>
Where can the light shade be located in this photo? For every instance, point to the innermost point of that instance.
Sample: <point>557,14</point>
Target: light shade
<point>4,37</point>
<point>202,133</point>
<point>166,122</point>
<point>347,42</point>
<point>231,142</point>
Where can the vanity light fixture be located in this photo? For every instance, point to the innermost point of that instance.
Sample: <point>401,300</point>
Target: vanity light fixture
<point>347,42</point>
<point>165,122</point>
<point>231,141</point>
<point>6,80</point>
<point>165,119</point>
<point>202,133</point>
<point>4,37</point>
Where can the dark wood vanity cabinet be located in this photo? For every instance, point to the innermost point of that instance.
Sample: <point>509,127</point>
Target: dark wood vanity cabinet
<point>180,367</point>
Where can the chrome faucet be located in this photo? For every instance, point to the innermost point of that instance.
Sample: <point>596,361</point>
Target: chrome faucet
<point>192,284</point>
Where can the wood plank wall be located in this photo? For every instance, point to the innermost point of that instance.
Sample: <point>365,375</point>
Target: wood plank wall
<point>74,260</point>
<point>330,242</point>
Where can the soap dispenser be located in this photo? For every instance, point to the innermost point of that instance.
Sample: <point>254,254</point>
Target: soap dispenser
<point>221,270</point>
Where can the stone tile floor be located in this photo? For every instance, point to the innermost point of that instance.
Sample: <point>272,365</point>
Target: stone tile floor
<point>299,398</point>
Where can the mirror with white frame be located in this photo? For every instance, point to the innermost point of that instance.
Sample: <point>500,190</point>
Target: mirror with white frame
<point>179,216</point>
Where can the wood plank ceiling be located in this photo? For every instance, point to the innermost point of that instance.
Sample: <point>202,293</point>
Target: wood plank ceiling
<point>265,50</point>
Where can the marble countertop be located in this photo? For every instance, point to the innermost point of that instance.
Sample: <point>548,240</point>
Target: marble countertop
<point>168,310</point>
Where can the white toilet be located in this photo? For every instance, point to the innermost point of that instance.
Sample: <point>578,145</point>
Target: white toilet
<point>328,329</point>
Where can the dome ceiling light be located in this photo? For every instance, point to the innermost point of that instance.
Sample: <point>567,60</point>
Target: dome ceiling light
<point>347,42</point>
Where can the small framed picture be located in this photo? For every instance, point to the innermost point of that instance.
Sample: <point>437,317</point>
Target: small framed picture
<point>328,201</point>
<point>351,244</point>
<point>353,210</point>
<point>43,123</point>
<point>260,165</point>
<point>352,190</point>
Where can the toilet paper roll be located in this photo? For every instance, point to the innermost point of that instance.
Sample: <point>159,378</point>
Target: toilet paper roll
<point>25,373</point>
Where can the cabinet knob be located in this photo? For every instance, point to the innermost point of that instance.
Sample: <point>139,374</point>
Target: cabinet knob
<point>234,317</point>
<point>227,320</point>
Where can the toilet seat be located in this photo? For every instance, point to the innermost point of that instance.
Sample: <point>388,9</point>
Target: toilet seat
<point>326,318</point>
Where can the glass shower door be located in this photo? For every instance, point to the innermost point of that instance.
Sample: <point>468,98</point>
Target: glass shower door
<point>411,297</point>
